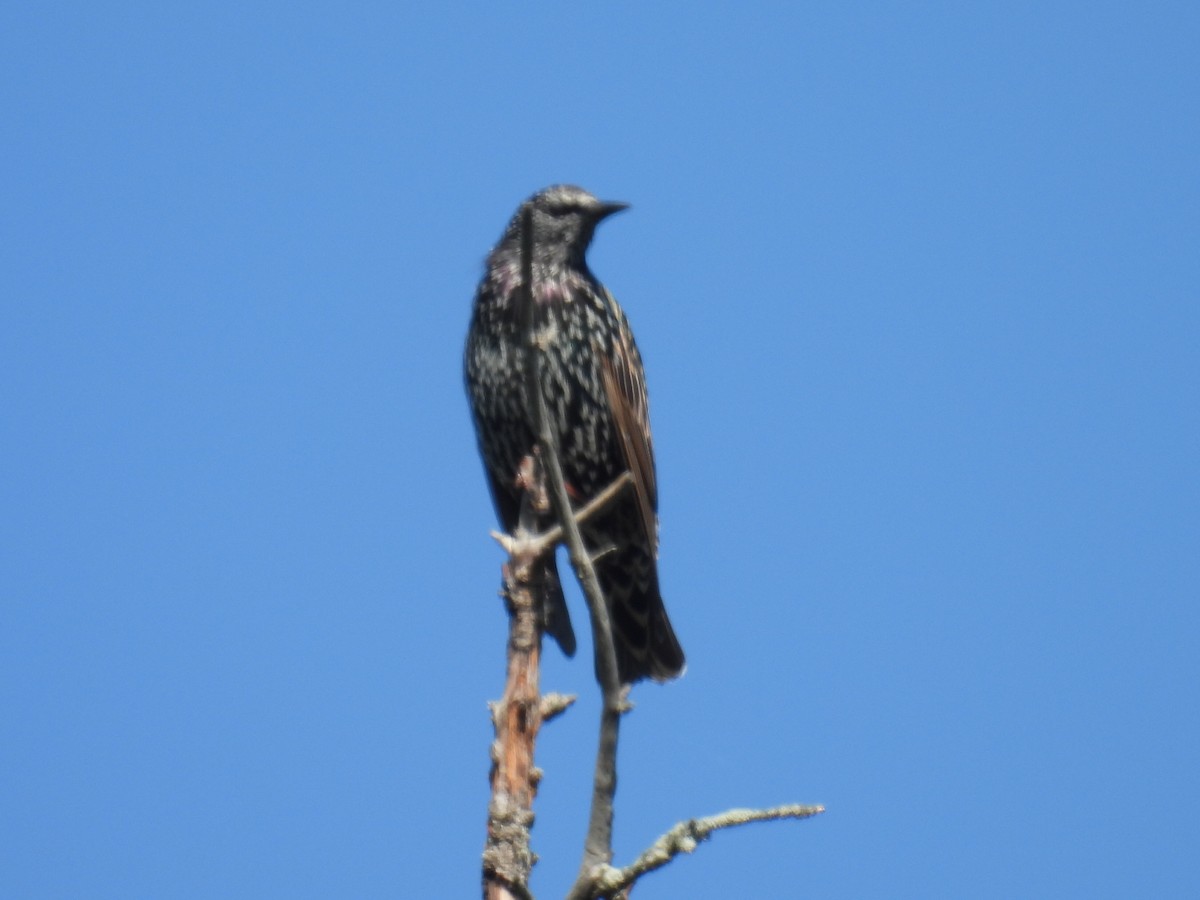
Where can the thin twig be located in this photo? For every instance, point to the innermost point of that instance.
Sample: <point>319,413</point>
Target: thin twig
<point>684,837</point>
<point>538,544</point>
<point>554,705</point>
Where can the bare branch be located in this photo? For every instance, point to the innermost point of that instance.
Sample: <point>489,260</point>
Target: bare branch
<point>554,705</point>
<point>507,857</point>
<point>683,838</point>
<point>539,544</point>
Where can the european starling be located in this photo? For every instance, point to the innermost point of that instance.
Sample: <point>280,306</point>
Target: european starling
<point>595,392</point>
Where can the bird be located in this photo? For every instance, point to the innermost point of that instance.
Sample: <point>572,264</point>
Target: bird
<point>594,385</point>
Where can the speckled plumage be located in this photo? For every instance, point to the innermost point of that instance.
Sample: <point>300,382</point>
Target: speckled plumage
<point>593,382</point>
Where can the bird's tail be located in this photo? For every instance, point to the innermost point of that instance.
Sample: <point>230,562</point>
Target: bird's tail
<point>666,656</point>
<point>644,640</point>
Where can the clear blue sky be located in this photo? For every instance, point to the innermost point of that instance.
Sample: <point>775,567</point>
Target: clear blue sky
<point>917,289</point>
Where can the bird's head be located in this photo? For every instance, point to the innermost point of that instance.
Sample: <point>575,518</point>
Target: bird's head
<point>564,218</point>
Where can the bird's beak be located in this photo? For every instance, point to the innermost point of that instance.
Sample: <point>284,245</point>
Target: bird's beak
<point>607,208</point>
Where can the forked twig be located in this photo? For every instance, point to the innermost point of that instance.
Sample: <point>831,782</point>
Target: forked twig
<point>684,837</point>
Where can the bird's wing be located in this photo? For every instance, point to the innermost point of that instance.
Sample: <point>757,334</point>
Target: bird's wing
<point>625,386</point>
<point>508,505</point>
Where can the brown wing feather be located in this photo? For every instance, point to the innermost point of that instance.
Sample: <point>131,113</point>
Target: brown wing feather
<point>625,384</point>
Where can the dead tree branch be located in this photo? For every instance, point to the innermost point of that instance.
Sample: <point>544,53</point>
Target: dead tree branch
<point>684,837</point>
<point>538,544</point>
<point>507,857</point>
